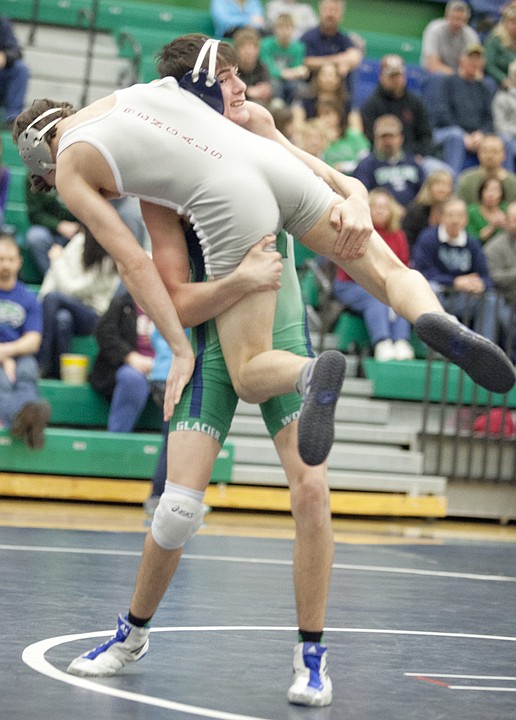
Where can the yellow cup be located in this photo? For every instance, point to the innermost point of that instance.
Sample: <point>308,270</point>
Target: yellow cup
<point>74,368</point>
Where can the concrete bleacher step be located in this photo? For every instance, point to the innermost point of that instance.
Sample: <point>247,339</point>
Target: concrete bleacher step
<point>343,456</point>
<point>355,409</point>
<point>58,61</point>
<point>348,480</point>
<point>52,39</point>
<point>344,432</point>
<point>105,71</point>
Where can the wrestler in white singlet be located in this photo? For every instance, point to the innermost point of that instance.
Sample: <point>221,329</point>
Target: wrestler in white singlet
<point>166,146</point>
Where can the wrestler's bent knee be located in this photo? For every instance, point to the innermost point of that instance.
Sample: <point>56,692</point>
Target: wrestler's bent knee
<point>176,520</point>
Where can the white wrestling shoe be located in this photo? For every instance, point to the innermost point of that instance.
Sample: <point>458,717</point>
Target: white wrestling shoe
<point>128,645</point>
<point>312,684</point>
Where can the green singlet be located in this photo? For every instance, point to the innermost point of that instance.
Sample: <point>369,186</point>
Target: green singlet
<point>209,401</point>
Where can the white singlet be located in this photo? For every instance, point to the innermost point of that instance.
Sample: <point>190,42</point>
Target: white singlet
<point>166,146</point>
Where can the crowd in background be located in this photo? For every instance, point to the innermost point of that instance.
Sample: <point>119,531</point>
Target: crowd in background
<point>438,162</point>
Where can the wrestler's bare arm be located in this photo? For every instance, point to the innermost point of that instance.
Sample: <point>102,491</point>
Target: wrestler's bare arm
<point>201,301</point>
<point>81,178</point>
<point>261,123</point>
<point>351,218</point>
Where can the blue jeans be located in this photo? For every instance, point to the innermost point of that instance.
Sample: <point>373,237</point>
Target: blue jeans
<point>380,321</point>
<point>13,88</point>
<point>131,392</point>
<point>24,390</point>
<point>63,317</point>
<point>479,312</point>
<point>39,240</point>
<point>455,154</point>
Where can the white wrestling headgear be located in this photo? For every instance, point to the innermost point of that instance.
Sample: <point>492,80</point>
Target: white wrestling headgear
<point>34,149</point>
<point>203,83</point>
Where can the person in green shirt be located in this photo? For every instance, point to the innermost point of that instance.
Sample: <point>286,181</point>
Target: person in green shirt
<point>500,48</point>
<point>487,217</point>
<point>284,58</point>
<point>349,144</point>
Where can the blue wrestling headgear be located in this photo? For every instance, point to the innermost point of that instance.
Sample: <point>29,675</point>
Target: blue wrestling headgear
<point>203,83</point>
<point>34,149</point>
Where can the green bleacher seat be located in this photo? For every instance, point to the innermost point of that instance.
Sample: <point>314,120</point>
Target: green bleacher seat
<point>380,44</point>
<point>68,13</point>
<point>113,15</point>
<point>86,345</point>
<point>18,9</point>
<point>29,273</point>
<point>97,453</point>
<point>149,40</point>
<point>16,214</point>
<point>81,406</point>
<point>406,381</point>
<point>148,69</point>
<point>11,157</point>
<point>17,182</point>
<point>351,333</point>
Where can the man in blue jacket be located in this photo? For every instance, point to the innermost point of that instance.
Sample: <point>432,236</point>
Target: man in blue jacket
<point>455,266</point>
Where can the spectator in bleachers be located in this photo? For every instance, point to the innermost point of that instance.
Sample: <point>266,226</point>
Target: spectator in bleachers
<point>228,16</point>
<point>463,111</point>
<point>426,208</point>
<point>504,110</point>
<point>284,59</point>
<point>500,48</point>
<point>486,218</point>
<point>348,145</point>
<point>75,293</point>
<point>21,409</point>
<point>500,252</point>
<point>302,14</point>
<point>491,157</point>
<point>284,120</point>
<point>313,136</point>
<point>5,177</point>
<point>392,97</point>
<point>14,74</point>
<point>389,333</point>
<point>326,43</point>
<point>445,40</point>
<point>325,84</point>
<point>51,224</point>
<point>388,166</point>
<point>124,362</point>
<point>252,70</point>
<point>455,266</point>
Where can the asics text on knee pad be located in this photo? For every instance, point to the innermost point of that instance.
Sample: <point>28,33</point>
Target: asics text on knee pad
<point>176,519</point>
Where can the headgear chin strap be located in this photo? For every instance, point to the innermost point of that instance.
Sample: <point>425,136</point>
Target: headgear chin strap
<point>34,149</point>
<point>203,83</point>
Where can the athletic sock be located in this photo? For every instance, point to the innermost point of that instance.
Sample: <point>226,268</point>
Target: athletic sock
<point>138,622</point>
<point>304,376</point>
<point>312,637</point>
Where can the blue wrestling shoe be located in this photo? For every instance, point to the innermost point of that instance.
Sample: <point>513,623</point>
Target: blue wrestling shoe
<point>481,359</point>
<point>320,387</point>
<point>312,684</point>
<point>130,643</point>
